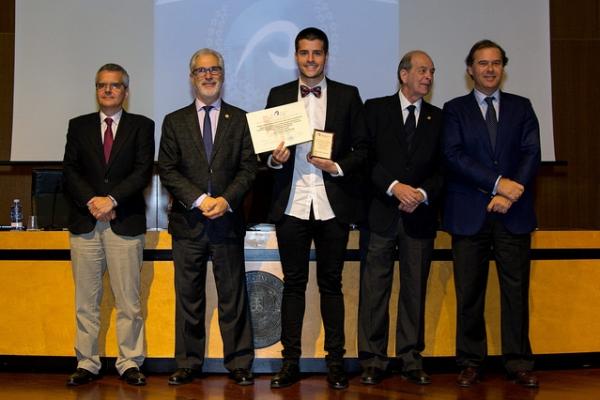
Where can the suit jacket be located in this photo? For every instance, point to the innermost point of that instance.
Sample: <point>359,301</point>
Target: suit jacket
<point>473,166</point>
<point>345,117</point>
<point>124,177</point>
<point>185,170</point>
<point>392,160</point>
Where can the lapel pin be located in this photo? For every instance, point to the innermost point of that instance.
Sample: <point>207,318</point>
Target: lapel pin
<point>226,116</point>
<point>429,117</point>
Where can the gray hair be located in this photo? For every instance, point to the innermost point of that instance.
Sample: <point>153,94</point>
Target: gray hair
<point>406,62</point>
<point>204,51</point>
<point>114,68</point>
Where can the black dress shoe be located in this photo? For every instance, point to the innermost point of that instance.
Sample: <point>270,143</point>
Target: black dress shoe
<point>182,376</point>
<point>336,377</point>
<point>81,376</point>
<point>526,379</point>
<point>133,376</point>
<point>468,377</point>
<point>417,376</point>
<point>287,376</point>
<point>371,376</point>
<point>242,376</point>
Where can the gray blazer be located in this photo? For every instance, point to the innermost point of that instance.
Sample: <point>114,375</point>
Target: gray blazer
<point>185,169</point>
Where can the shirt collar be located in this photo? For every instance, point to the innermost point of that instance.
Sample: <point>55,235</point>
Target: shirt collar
<point>216,105</point>
<point>482,96</point>
<point>115,117</point>
<point>405,103</point>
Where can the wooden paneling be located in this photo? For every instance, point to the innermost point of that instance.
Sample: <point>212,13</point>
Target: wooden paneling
<point>569,198</point>
<point>7,51</point>
<point>7,16</point>
<point>575,19</point>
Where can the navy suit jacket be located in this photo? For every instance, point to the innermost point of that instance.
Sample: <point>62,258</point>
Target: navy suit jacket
<point>473,167</point>
<point>419,167</point>
<point>345,117</point>
<point>124,177</point>
<point>185,170</point>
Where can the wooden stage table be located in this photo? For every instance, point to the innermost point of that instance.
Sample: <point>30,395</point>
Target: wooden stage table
<point>37,297</point>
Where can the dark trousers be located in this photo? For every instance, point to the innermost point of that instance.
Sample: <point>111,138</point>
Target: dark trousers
<point>190,257</point>
<point>376,280</point>
<point>294,237</point>
<point>471,255</point>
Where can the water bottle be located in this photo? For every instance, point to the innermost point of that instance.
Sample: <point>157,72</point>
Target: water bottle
<point>16,215</point>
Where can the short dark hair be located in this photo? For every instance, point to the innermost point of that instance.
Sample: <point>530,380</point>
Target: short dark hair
<point>312,33</point>
<point>485,44</point>
<point>115,68</point>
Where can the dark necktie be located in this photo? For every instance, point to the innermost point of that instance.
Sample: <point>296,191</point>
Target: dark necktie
<point>207,132</point>
<point>305,91</point>
<point>410,125</point>
<point>108,139</point>
<point>491,121</point>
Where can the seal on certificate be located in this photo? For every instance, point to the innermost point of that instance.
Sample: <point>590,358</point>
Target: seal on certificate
<point>265,291</point>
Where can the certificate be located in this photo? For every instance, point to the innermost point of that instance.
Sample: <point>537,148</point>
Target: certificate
<point>322,144</point>
<point>287,123</point>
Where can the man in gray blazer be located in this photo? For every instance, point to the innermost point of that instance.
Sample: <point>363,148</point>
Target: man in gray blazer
<point>207,163</point>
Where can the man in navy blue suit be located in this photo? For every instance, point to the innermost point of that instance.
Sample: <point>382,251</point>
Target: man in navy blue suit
<point>492,149</point>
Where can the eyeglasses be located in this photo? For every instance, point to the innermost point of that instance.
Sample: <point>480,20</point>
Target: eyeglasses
<point>214,70</point>
<point>112,86</point>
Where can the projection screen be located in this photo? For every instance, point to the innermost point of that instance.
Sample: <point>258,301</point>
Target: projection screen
<point>60,44</point>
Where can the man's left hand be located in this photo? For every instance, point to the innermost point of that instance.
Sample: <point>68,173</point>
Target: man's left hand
<point>100,207</point>
<point>323,164</point>
<point>499,204</point>
<point>219,208</point>
<point>408,208</point>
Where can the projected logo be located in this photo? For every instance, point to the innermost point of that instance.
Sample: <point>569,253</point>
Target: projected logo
<point>257,41</point>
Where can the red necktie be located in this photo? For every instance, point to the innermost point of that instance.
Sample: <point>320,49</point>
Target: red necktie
<point>108,139</point>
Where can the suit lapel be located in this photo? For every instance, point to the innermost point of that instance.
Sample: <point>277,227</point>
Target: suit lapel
<point>503,122</point>
<point>94,134</point>
<point>332,105</point>
<point>222,129</point>
<point>396,128</point>
<point>192,125</point>
<point>289,94</point>
<point>123,133</point>
<point>479,121</point>
<point>423,128</point>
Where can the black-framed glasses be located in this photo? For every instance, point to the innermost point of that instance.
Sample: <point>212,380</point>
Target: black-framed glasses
<point>113,86</point>
<point>214,70</point>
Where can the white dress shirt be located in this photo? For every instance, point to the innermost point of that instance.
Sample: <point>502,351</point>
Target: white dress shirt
<point>308,187</point>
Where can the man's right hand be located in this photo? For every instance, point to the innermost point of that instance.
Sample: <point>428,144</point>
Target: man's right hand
<point>281,154</point>
<point>207,204</point>
<point>510,189</point>
<point>407,195</point>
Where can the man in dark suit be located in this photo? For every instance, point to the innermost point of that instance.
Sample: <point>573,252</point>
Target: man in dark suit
<point>492,150</point>
<point>107,164</point>
<point>407,183</point>
<point>316,199</point>
<point>207,163</point>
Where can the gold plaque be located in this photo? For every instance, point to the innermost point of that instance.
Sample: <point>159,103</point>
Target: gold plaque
<point>322,144</point>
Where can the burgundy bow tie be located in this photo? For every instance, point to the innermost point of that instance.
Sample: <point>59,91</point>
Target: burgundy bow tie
<point>305,91</point>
